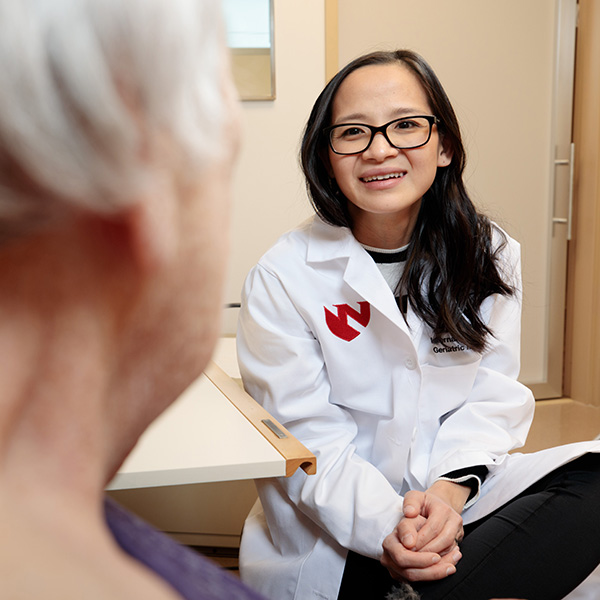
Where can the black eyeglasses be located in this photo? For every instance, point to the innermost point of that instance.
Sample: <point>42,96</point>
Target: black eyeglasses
<point>404,134</point>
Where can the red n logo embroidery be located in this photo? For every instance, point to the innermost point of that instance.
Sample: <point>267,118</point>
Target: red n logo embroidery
<point>338,324</point>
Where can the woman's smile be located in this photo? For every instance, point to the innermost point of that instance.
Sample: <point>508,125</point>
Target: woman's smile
<point>380,177</point>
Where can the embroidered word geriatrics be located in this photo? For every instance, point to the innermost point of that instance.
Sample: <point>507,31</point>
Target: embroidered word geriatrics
<point>445,345</point>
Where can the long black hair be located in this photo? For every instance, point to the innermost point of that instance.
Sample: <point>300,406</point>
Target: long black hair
<point>452,264</point>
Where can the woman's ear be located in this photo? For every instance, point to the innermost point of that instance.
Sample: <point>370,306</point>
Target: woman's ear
<point>444,154</point>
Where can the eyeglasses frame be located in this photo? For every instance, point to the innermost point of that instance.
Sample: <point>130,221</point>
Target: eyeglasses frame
<point>432,120</point>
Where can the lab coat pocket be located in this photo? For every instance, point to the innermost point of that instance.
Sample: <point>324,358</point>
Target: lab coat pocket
<point>354,390</point>
<point>371,402</point>
<point>444,389</point>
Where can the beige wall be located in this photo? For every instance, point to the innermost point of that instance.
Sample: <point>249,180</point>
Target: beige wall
<point>269,196</point>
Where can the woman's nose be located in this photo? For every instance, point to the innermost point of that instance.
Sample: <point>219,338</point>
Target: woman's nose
<point>380,148</point>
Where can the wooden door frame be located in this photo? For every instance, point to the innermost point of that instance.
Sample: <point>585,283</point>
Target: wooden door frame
<point>582,343</point>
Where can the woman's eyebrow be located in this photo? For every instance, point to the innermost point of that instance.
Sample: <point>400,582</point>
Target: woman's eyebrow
<point>359,117</point>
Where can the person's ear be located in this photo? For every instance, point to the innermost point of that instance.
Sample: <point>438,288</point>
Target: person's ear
<point>444,154</point>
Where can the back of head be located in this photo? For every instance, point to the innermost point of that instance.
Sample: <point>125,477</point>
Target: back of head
<point>87,87</point>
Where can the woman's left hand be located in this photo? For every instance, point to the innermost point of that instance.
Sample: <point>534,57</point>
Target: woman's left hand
<point>424,544</point>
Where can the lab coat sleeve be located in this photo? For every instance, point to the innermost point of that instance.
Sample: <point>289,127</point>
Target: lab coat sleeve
<point>496,416</point>
<point>283,369</point>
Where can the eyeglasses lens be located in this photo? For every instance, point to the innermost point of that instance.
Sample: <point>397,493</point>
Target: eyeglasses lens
<point>409,132</point>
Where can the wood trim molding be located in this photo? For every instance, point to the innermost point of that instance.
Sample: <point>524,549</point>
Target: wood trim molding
<point>582,343</point>
<point>295,453</point>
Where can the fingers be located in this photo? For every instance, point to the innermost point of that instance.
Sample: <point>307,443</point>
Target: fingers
<point>408,529</point>
<point>419,566</point>
<point>444,568</point>
<point>440,529</point>
<point>424,544</point>
<point>440,538</point>
<point>413,503</point>
<point>438,533</point>
<point>397,554</point>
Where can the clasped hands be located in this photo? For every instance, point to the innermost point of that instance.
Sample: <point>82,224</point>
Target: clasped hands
<point>424,544</point>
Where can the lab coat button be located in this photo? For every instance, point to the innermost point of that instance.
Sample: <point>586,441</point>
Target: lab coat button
<point>410,363</point>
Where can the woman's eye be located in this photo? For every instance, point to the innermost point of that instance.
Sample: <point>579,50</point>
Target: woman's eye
<point>350,132</point>
<point>406,124</point>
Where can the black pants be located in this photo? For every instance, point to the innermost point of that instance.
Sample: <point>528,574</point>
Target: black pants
<point>538,546</point>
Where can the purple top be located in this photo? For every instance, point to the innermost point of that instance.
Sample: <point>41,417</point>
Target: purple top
<point>192,575</point>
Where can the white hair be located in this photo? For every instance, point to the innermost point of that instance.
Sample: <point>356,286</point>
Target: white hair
<point>87,85</point>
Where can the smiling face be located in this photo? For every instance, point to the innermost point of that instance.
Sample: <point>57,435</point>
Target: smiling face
<point>384,185</point>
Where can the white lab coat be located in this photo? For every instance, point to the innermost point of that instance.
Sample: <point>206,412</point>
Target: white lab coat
<point>384,407</point>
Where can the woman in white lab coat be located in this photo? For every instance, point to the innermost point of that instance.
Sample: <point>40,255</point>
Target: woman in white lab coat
<point>384,334</point>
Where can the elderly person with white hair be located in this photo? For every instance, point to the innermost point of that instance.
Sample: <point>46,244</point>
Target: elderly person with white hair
<point>117,137</point>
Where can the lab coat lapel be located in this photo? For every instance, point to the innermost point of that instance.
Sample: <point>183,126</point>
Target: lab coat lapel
<point>363,276</point>
<point>330,243</point>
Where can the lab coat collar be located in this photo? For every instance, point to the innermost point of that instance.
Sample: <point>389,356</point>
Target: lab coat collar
<point>328,242</point>
<point>331,243</point>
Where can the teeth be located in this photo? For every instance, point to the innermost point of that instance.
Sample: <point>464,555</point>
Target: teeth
<point>383,177</point>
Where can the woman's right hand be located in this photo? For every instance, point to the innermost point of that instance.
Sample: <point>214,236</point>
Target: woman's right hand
<point>411,565</point>
<point>424,544</point>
